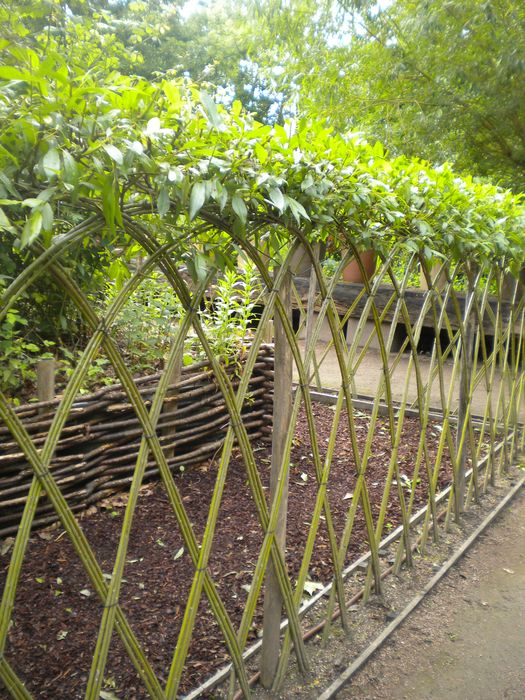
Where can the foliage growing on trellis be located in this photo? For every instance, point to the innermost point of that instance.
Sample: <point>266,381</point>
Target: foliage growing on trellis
<point>73,144</point>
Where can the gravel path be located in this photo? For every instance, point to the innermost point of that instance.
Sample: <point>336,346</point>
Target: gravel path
<point>467,639</point>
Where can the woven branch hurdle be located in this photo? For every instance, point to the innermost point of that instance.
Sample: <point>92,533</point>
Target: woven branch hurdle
<point>96,453</point>
<point>464,374</point>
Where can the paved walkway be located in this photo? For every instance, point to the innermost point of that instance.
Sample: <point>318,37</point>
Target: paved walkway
<point>467,639</point>
<point>370,371</point>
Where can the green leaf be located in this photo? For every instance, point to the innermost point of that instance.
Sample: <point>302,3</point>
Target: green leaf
<point>211,109</point>
<point>4,222</point>
<point>110,203</point>
<point>163,201</point>
<point>307,182</point>
<point>277,198</point>
<point>70,169</point>
<point>46,194</point>
<point>119,272</point>
<point>31,229</point>
<point>11,73</point>
<point>197,267</point>
<point>424,228</point>
<point>175,175</point>
<point>108,695</point>
<point>221,194</point>
<point>31,202</point>
<point>239,207</point>
<point>261,153</point>
<point>47,217</point>
<point>51,163</point>
<point>153,127</point>
<point>114,153</point>
<point>197,198</point>
<point>297,209</point>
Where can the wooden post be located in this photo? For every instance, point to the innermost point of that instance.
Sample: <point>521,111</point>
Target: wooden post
<point>170,406</point>
<point>268,332</point>
<point>310,308</point>
<point>282,410</point>
<point>438,278</point>
<point>465,380</point>
<point>45,381</point>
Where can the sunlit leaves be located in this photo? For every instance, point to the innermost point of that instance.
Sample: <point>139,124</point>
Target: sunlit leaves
<point>114,153</point>
<point>197,198</point>
<point>261,153</point>
<point>108,142</point>
<point>51,163</point>
<point>239,207</point>
<point>211,110</point>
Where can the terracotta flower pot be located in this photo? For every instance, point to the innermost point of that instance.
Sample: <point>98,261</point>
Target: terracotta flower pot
<point>352,272</point>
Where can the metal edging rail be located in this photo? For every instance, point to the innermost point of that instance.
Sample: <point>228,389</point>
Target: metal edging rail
<point>224,672</point>
<point>347,674</point>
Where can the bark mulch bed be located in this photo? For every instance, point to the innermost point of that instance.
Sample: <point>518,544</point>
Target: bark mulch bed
<point>57,614</point>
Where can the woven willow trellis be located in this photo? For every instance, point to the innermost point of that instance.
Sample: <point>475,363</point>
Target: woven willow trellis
<point>475,387</point>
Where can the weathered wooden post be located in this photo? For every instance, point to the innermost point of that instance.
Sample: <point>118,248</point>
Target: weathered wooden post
<point>268,332</point>
<point>465,381</point>
<point>282,410</point>
<point>512,293</point>
<point>310,308</point>
<point>169,408</point>
<point>45,381</point>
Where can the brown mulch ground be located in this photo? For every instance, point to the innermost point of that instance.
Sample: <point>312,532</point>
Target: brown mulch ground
<point>57,614</point>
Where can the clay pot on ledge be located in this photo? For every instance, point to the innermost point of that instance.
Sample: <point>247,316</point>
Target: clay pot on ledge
<point>352,272</point>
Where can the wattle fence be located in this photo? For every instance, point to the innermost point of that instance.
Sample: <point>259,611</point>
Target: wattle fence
<point>96,453</point>
<point>448,358</point>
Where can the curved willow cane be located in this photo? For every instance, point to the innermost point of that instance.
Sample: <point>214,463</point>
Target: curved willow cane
<point>173,494</point>
<point>99,660</point>
<point>43,468</point>
<point>143,236</point>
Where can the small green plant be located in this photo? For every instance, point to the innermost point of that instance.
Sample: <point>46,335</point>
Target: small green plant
<point>228,314</point>
<point>148,322</point>
<point>329,266</point>
<point>19,354</point>
<point>145,325</point>
<point>409,484</point>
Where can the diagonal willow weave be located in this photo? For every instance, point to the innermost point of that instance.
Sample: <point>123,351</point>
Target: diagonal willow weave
<point>354,339</point>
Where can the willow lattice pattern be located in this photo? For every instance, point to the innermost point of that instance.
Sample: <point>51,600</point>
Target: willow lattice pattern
<point>449,355</point>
